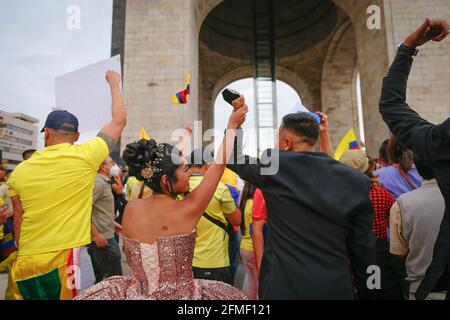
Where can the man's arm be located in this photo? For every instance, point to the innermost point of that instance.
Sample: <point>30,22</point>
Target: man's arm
<point>17,217</point>
<point>406,125</point>
<point>246,167</point>
<point>259,218</point>
<point>258,241</point>
<point>397,244</point>
<point>324,138</point>
<point>112,131</point>
<point>98,238</point>
<point>234,217</point>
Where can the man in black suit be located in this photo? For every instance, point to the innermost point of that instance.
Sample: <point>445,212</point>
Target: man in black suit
<point>430,142</point>
<point>319,216</point>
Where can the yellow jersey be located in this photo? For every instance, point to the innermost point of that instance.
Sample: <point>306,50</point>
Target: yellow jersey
<point>211,247</point>
<point>247,241</point>
<point>55,187</point>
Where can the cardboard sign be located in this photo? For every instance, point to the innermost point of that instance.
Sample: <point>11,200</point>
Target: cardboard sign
<point>87,95</point>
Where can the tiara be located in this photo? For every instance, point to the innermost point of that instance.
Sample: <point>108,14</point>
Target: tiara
<point>151,168</point>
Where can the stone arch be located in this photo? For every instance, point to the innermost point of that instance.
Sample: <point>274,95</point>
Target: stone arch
<point>203,8</point>
<point>208,96</point>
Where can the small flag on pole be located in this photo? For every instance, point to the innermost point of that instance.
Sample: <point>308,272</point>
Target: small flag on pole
<point>143,135</point>
<point>181,97</point>
<point>347,143</point>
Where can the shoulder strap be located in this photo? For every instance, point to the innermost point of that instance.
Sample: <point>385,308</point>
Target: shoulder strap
<point>218,223</point>
<point>141,193</point>
<point>405,177</point>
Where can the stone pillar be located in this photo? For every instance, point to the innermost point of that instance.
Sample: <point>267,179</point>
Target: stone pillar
<point>338,87</point>
<point>118,47</point>
<point>373,61</point>
<point>161,46</point>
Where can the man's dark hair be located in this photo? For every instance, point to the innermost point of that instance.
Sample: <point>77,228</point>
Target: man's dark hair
<point>201,156</point>
<point>423,168</point>
<point>303,125</point>
<point>28,153</point>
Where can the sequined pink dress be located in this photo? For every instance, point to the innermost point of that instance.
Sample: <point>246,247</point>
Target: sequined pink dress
<point>162,270</point>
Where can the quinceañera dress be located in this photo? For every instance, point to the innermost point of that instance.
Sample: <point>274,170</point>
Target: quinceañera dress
<point>162,270</point>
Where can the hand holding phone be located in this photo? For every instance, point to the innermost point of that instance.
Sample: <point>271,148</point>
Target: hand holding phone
<point>229,95</point>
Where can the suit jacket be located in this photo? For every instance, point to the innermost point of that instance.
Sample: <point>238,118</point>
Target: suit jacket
<point>318,216</point>
<point>432,143</point>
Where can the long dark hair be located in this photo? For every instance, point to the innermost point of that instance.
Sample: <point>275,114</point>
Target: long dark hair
<point>163,157</point>
<point>247,194</point>
<point>400,155</point>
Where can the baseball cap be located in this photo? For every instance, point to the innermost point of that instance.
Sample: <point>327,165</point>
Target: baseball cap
<point>356,159</point>
<point>61,120</point>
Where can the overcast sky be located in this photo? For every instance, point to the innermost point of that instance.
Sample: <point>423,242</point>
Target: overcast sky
<point>36,46</point>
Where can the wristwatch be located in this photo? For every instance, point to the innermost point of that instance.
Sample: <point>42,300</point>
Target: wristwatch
<point>407,50</point>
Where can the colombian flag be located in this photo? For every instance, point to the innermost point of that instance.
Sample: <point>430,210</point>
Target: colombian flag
<point>181,97</point>
<point>347,143</point>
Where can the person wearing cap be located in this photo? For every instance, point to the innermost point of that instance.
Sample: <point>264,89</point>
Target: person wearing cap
<point>382,201</point>
<point>52,201</point>
<point>214,230</point>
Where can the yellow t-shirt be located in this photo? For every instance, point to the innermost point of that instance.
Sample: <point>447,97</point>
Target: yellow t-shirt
<point>55,187</point>
<point>2,235</point>
<point>136,190</point>
<point>247,241</point>
<point>211,247</point>
<point>131,182</point>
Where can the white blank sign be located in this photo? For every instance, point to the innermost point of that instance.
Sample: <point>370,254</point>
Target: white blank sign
<point>86,94</point>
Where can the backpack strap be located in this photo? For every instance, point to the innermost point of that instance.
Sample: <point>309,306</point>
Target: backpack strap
<point>141,193</point>
<point>220,224</point>
<point>405,177</point>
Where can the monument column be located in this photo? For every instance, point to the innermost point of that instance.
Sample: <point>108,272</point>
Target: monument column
<point>161,46</point>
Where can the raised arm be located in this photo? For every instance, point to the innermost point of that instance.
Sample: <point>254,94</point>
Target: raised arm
<point>406,125</point>
<point>246,167</point>
<point>324,137</point>
<point>112,131</point>
<point>197,201</point>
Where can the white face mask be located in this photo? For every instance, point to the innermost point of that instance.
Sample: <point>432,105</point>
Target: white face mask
<point>114,171</point>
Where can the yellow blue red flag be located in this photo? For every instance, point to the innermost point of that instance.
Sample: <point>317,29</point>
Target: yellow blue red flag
<point>181,97</point>
<point>347,143</point>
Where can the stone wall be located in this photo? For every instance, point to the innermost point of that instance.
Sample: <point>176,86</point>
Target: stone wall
<point>162,44</point>
<point>338,87</point>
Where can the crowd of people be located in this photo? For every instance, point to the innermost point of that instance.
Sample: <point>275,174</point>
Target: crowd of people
<point>312,229</point>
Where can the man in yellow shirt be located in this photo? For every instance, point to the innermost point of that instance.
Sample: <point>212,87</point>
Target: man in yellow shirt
<point>52,201</point>
<point>211,260</point>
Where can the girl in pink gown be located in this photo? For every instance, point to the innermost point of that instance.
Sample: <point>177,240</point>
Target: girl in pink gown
<point>162,270</point>
<point>159,232</point>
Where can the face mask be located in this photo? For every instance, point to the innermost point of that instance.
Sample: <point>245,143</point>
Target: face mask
<point>114,171</point>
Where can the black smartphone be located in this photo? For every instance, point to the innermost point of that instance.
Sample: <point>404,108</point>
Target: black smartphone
<point>229,95</point>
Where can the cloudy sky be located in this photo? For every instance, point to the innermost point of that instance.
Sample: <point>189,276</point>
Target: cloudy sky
<point>37,45</point>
